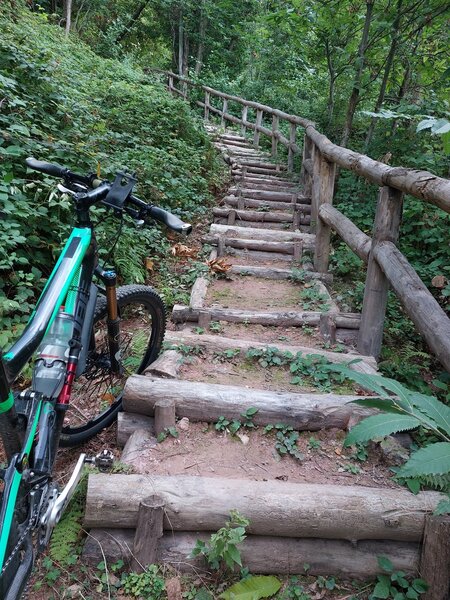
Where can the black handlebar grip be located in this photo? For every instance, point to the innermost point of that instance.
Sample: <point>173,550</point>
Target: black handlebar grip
<point>172,221</point>
<point>45,167</point>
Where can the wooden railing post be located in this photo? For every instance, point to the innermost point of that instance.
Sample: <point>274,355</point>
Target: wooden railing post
<point>149,529</point>
<point>322,193</point>
<point>223,122</point>
<point>292,140</point>
<point>313,181</point>
<point>207,97</point>
<point>275,123</point>
<point>386,228</point>
<point>305,178</point>
<point>259,116</point>
<point>170,84</point>
<point>184,89</point>
<point>244,119</point>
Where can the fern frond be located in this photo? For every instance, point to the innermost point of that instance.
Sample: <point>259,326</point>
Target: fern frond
<point>431,460</point>
<point>380,426</point>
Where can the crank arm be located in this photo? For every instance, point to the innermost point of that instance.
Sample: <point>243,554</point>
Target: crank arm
<point>59,504</point>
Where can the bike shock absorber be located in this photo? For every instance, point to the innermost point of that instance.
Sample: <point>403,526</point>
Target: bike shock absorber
<point>112,321</point>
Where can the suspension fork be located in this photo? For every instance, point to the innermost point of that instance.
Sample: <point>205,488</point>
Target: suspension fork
<point>109,278</point>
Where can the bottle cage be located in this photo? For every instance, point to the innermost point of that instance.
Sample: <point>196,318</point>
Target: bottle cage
<point>120,190</point>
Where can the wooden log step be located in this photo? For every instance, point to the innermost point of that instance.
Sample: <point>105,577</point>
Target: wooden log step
<point>230,136</point>
<point>260,216</point>
<point>250,202</point>
<point>232,144</point>
<point>166,365</point>
<point>271,204</point>
<point>264,165</point>
<point>256,194</point>
<point>198,292</point>
<point>254,215</point>
<point>264,555</point>
<point>261,256</point>
<point>213,343</point>
<point>273,508</point>
<point>128,423</point>
<point>207,402</point>
<point>181,314</point>
<point>304,227</point>
<point>252,244</point>
<point>230,231</point>
<point>275,273</point>
<point>258,170</point>
<point>252,181</point>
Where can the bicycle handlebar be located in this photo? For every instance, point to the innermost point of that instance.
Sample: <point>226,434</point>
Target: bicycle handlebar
<point>100,189</point>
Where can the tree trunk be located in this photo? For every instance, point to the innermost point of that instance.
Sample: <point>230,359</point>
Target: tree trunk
<point>137,13</point>
<point>201,41</point>
<point>354,97</point>
<point>180,41</point>
<point>68,15</point>
<point>387,71</point>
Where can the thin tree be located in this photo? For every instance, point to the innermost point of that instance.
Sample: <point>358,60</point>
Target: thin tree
<point>354,96</point>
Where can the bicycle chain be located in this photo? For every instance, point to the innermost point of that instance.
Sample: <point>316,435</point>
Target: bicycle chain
<point>16,548</point>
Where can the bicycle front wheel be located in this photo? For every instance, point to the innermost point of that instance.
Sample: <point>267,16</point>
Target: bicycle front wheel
<point>97,393</point>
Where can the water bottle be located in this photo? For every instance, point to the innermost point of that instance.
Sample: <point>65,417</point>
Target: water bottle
<point>52,355</point>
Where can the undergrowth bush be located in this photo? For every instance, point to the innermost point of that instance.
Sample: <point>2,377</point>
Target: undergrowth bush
<point>62,103</point>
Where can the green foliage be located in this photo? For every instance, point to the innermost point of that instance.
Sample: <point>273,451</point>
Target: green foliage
<point>63,103</point>
<point>314,443</point>
<point>406,410</point>
<point>253,588</point>
<point>168,431</point>
<point>313,299</point>
<point>149,584</point>
<point>234,425</point>
<point>64,543</point>
<point>222,549</point>
<point>395,584</point>
<point>307,369</point>
<point>285,440</point>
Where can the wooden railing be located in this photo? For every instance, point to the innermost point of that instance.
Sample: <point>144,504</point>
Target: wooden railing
<point>386,265</point>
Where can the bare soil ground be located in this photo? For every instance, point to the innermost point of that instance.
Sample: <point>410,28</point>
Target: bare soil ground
<point>202,451</point>
<point>254,293</point>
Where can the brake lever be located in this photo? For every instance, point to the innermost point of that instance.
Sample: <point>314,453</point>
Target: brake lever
<point>62,188</point>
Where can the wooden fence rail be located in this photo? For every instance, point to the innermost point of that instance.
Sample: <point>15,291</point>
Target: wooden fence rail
<point>387,267</point>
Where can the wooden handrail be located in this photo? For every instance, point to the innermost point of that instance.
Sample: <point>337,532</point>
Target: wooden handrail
<point>386,264</point>
<point>421,184</point>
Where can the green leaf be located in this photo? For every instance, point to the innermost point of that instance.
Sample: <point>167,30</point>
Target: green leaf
<point>235,555</point>
<point>443,507</point>
<point>253,588</point>
<point>413,485</point>
<point>420,585</point>
<point>431,460</point>
<point>433,408</point>
<point>382,589</point>
<point>380,426</point>
<point>385,564</point>
<point>384,404</point>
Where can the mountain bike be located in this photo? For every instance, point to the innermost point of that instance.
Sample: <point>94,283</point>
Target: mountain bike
<point>84,339</point>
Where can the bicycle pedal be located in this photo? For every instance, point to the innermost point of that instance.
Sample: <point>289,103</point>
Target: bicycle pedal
<point>104,460</point>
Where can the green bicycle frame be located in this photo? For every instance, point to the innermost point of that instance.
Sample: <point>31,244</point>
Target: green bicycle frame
<point>65,275</point>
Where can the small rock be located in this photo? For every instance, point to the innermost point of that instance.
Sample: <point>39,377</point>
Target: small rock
<point>243,437</point>
<point>393,451</point>
<point>183,424</point>
<point>73,591</point>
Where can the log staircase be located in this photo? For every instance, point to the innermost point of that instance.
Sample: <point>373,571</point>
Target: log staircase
<point>261,230</point>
